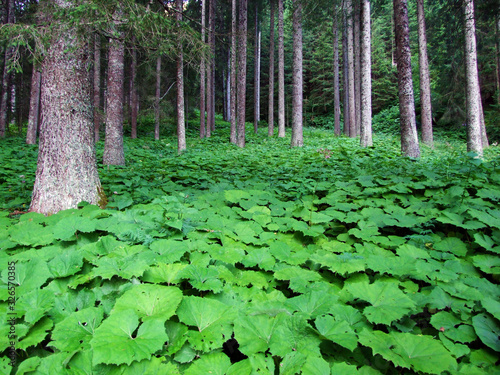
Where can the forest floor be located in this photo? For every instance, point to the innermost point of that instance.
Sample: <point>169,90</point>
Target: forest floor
<point>325,259</point>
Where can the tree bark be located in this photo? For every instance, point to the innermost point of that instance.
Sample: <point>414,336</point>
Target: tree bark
<point>134,102</point>
<point>357,64</point>
<point>6,77</point>
<point>157,98</point>
<point>409,138</point>
<point>242,71</point>
<point>233,72</point>
<point>211,87</point>
<point>256,93</point>
<point>497,48</point>
<point>113,145</point>
<point>97,86</point>
<point>350,72</point>
<point>336,64</point>
<point>34,114</point>
<point>66,171</point>
<point>297,78</point>
<point>181,126</point>
<point>474,139</point>
<point>202,73</point>
<point>270,119</point>
<point>366,79</point>
<point>281,71</point>
<point>425,86</point>
<point>345,70</point>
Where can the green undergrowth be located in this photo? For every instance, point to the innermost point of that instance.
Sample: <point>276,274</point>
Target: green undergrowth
<point>328,259</point>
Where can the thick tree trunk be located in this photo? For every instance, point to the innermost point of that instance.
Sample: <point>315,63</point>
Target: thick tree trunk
<point>157,98</point>
<point>34,114</point>
<point>281,71</point>
<point>113,145</point>
<point>256,86</point>
<point>297,77</point>
<point>425,86</point>
<point>474,140</point>
<point>134,102</point>
<point>409,138</point>
<point>336,81</point>
<point>350,72</point>
<point>242,71</point>
<point>232,136</point>
<point>366,79</point>
<point>97,86</point>
<point>181,126</point>
<point>66,172</point>
<point>357,64</point>
<point>270,119</point>
<point>202,73</point>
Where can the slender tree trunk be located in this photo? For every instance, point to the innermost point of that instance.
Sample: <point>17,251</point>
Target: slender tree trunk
<point>497,47</point>
<point>256,94</point>
<point>228,87</point>
<point>336,64</point>
<point>202,73</point>
<point>357,64</point>
<point>345,70</point>
<point>97,86</point>
<point>366,79</point>
<point>281,71</point>
<point>297,78</point>
<point>157,98</point>
<point>113,145</point>
<point>34,114</point>
<point>181,125</point>
<point>425,86</point>
<point>133,92</point>
<point>233,72</point>
<point>6,78</point>
<point>484,136</point>
<point>409,138</point>
<point>351,73</point>
<point>67,171</point>
<point>474,139</point>
<point>270,129</point>
<point>212,64</point>
<point>242,71</point>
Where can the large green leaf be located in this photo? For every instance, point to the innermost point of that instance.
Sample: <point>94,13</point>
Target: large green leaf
<point>212,363</point>
<point>488,330</point>
<point>338,331</point>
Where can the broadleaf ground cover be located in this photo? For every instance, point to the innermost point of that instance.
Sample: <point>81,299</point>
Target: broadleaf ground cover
<point>328,259</point>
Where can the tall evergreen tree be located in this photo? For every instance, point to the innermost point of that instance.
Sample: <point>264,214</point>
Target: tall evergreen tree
<point>297,78</point>
<point>202,73</point>
<point>270,120</point>
<point>350,70</point>
<point>281,70</point>
<point>242,72</point>
<point>181,126</point>
<point>232,136</point>
<point>336,64</point>
<point>366,79</point>
<point>6,78</point>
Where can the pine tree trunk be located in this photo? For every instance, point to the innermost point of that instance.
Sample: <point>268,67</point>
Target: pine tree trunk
<point>233,72</point>
<point>202,73</point>
<point>425,86</point>
<point>256,86</point>
<point>336,81</point>
<point>97,86</point>
<point>134,105</point>
<point>345,71</point>
<point>357,64</point>
<point>157,98</point>
<point>409,138</point>
<point>212,64</point>
<point>66,171</point>
<point>242,71</point>
<point>297,77</point>
<point>6,77</point>
<point>34,114</point>
<point>181,126</point>
<point>366,79</point>
<point>474,138</point>
<point>497,48</point>
<point>350,72</point>
<point>281,71</point>
<point>113,145</point>
<point>270,119</point>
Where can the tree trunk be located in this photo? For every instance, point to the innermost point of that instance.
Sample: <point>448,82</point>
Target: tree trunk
<point>425,86</point>
<point>202,73</point>
<point>233,72</point>
<point>134,103</point>
<point>242,71</point>
<point>345,70</point>
<point>336,82</point>
<point>97,86</point>
<point>34,114</point>
<point>181,126</point>
<point>497,47</point>
<point>6,78</point>
<point>66,171</point>
<point>297,90</point>
<point>157,98</point>
<point>256,93</point>
<point>270,120</point>
<point>366,79</point>
<point>350,72</point>
<point>357,64</point>
<point>409,138</point>
<point>474,140</point>
<point>113,145</point>
<point>281,71</point>
<point>211,87</point>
